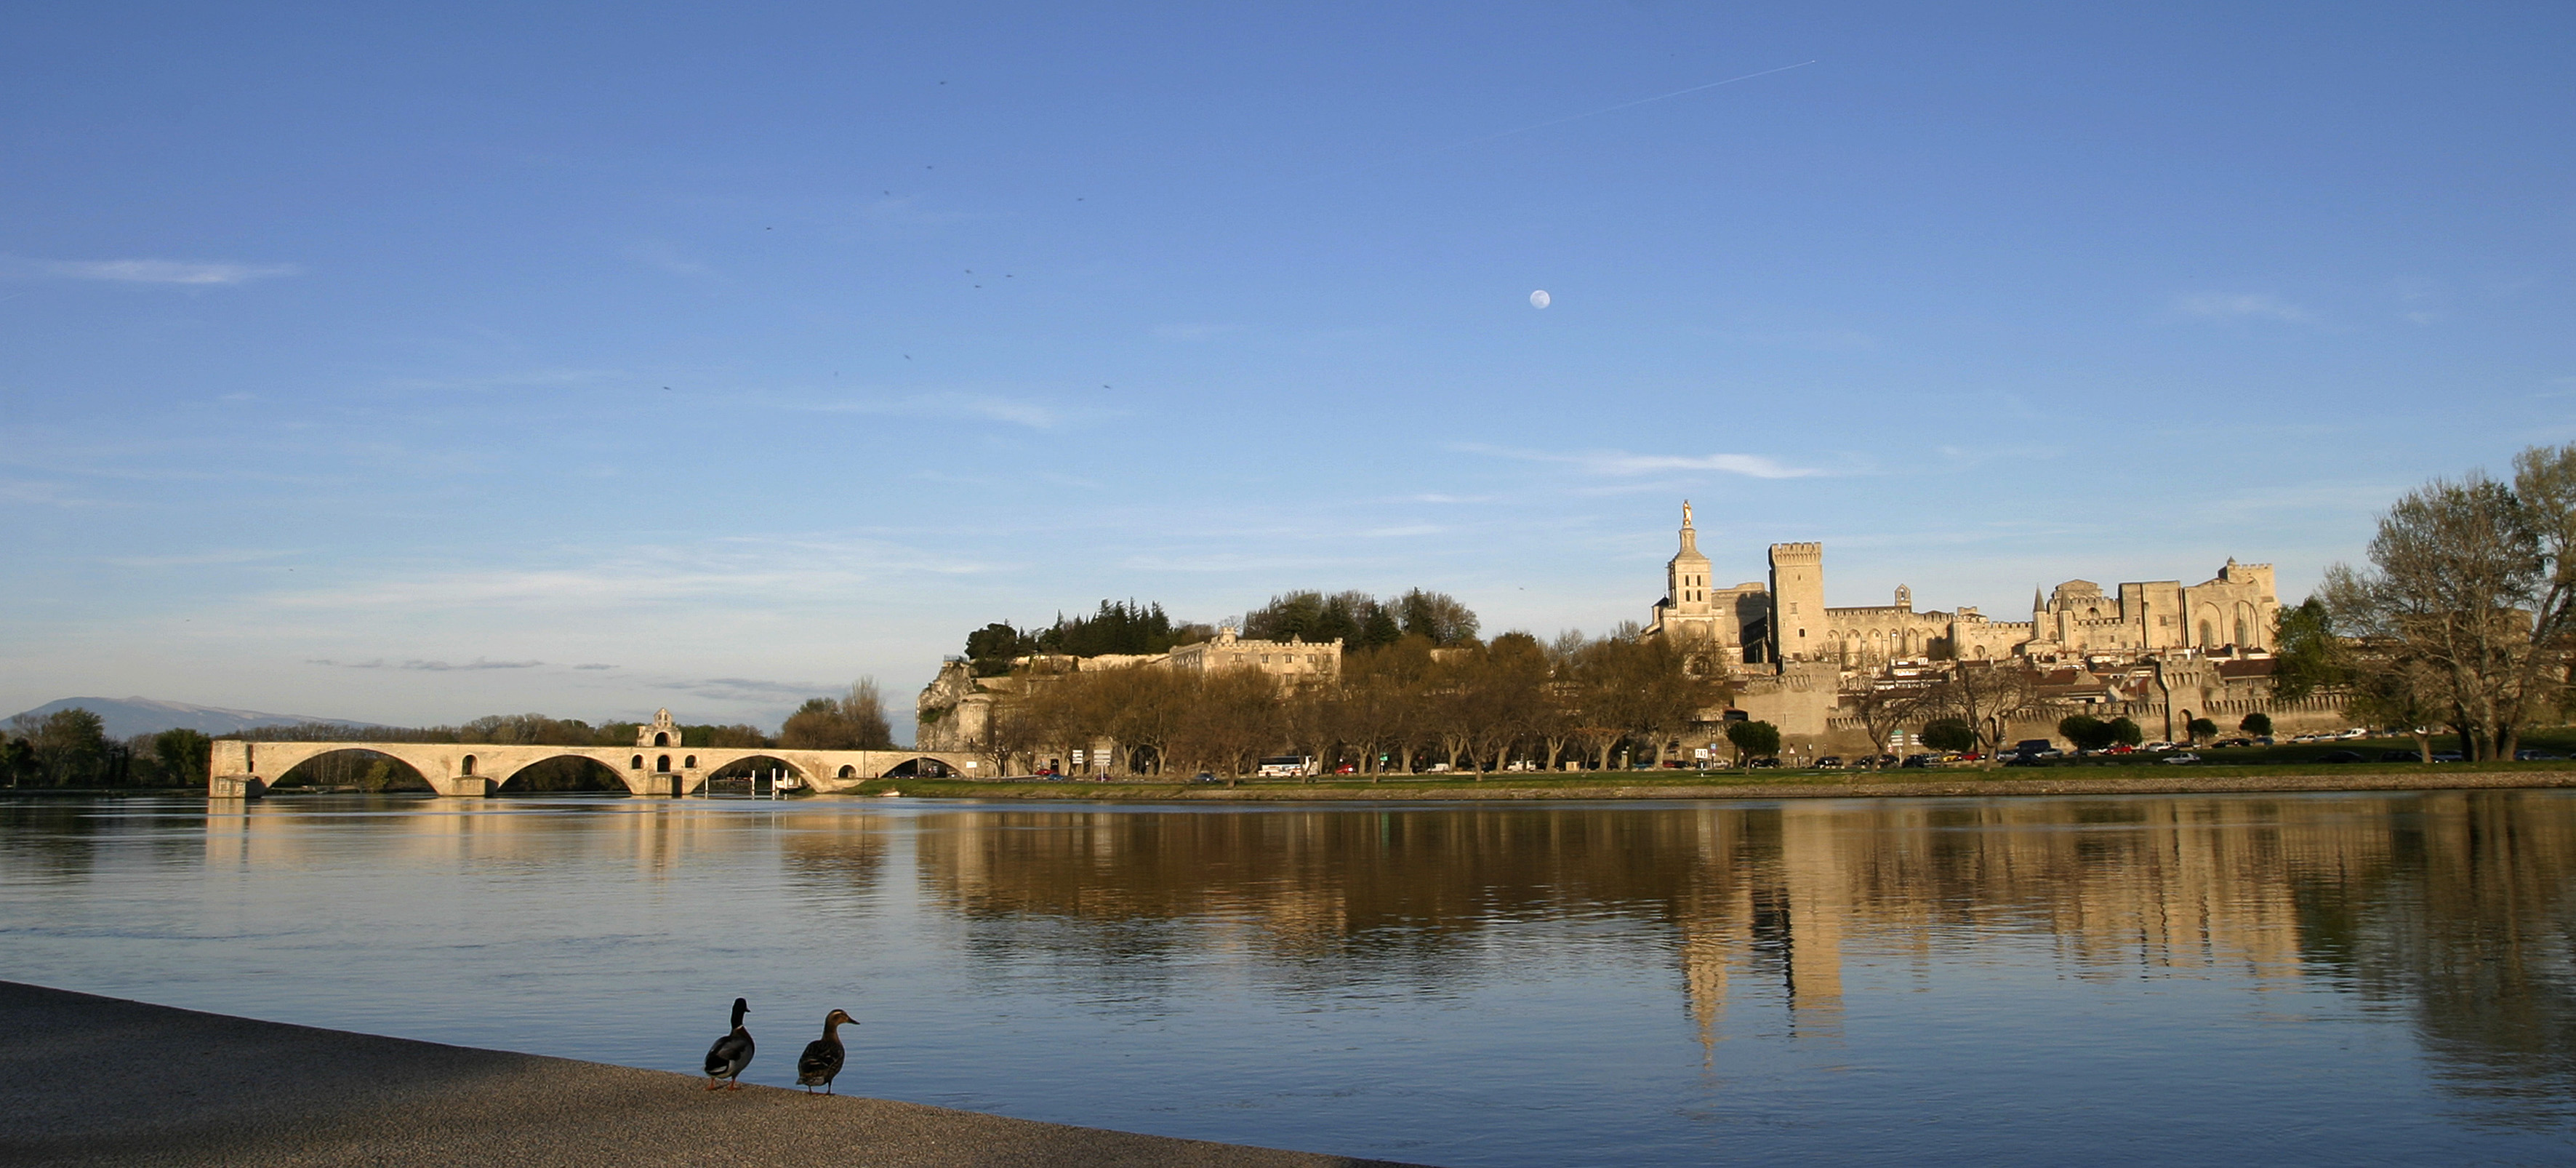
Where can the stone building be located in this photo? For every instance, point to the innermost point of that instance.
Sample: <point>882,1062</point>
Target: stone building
<point>1787,621</point>
<point>2160,652</point>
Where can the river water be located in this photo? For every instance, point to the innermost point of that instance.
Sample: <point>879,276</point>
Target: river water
<point>2312,979</point>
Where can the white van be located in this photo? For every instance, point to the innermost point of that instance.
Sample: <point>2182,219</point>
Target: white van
<point>1286,766</point>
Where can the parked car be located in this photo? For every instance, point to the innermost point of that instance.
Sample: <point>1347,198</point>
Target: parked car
<point>2400,756</point>
<point>2340,756</point>
<point>2448,756</point>
<point>2035,747</point>
<point>2536,756</point>
<point>2158,744</point>
<point>1764,764</point>
<point>2184,758</point>
<point>1920,761</point>
<point>2235,742</point>
<point>1203,777</point>
<point>1830,762</point>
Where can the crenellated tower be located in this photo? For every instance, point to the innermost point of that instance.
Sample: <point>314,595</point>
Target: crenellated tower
<point>1798,627</point>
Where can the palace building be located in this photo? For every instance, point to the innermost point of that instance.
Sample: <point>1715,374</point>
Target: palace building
<point>1770,626</point>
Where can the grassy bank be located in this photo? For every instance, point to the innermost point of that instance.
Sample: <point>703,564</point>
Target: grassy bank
<point>1774,784</point>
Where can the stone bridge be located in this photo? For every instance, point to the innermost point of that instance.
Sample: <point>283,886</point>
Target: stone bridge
<point>246,769</point>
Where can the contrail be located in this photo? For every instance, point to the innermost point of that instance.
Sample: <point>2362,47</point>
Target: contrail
<point>1624,105</point>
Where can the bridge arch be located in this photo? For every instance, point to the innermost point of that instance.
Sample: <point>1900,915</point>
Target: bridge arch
<point>367,769</point>
<point>920,766</point>
<point>567,772</point>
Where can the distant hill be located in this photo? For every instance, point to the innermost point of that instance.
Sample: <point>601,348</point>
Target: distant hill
<point>127,717</point>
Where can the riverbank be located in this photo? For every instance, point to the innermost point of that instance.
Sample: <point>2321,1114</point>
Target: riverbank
<point>107,1081</point>
<point>1796,785</point>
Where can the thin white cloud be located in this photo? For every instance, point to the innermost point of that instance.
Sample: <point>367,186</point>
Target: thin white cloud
<point>429,666</point>
<point>1621,463</point>
<point>2241,306</point>
<point>163,271</point>
<point>1015,411</point>
<point>747,689</point>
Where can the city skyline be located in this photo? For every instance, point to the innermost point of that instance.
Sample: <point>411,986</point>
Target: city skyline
<point>412,367</point>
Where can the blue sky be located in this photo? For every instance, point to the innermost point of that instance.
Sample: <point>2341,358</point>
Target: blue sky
<point>410,365</point>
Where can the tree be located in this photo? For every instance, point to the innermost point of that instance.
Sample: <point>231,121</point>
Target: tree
<point>18,760</point>
<point>854,721</point>
<point>2200,728</point>
<point>2307,655</point>
<point>2258,724</point>
<point>1436,615</point>
<point>1882,705</point>
<point>71,748</point>
<point>1753,740</point>
<point>2126,732</point>
<point>184,756</point>
<point>1949,734</point>
<point>2472,594</point>
<point>1986,695</point>
<point>2086,731</point>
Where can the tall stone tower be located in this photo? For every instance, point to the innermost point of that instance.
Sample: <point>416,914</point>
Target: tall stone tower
<point>1686,577</point>
<point>1797,602</point>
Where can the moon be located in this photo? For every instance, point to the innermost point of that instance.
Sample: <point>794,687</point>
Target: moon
<point>1539,299</point>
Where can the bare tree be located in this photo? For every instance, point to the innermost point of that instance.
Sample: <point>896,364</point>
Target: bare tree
<point>1985,695</point>
<point>2472,592</point>
<point>1883,704</point>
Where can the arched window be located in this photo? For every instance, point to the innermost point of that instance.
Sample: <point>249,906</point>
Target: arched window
<point>469,764</point>
<point>662,764</point>
<point>1981,652</point>
<point>2208,635</point>
<point>638,764</point>
<point>661,740</point>
<point>849,772</point>
<point>2241,631</point>
<point>689,763</point>
<point>2092,614</point>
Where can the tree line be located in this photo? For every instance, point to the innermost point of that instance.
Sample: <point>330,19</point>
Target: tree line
<point>1132,627</point>
<point>70,748</point>
<point>1395,708</point>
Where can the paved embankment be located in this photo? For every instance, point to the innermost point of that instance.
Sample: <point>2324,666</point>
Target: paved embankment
<point>2139,781</point>
<point>104,1081</point>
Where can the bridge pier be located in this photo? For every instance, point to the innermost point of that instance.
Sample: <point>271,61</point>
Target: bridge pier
<point>235,787</point>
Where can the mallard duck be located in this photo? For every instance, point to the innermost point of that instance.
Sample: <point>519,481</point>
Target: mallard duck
<point>731,1053</point>
<point>822,1057</point>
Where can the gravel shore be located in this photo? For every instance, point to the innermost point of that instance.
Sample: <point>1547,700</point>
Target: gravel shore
<point>107,1081</point>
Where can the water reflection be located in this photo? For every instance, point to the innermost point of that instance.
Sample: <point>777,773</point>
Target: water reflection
<point>2180,977</point>
<point>2453,904</point>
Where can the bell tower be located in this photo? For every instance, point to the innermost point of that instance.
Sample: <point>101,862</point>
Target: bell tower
<point>1686,576</point>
